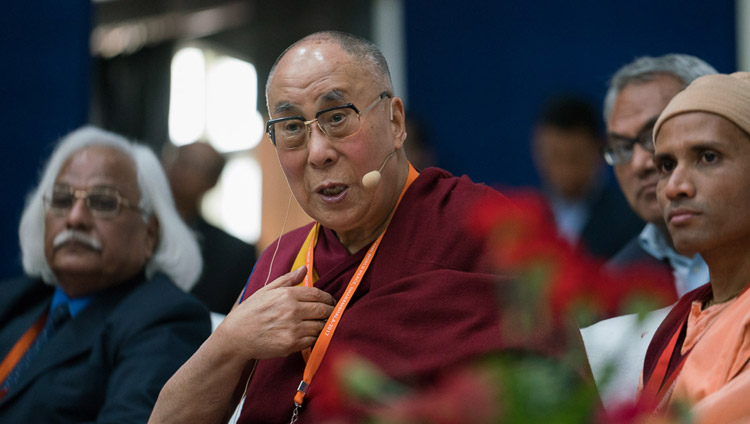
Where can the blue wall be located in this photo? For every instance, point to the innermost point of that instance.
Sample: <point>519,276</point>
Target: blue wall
<point>476,75</point>
<point>44,80</point>
<point>478,70</point>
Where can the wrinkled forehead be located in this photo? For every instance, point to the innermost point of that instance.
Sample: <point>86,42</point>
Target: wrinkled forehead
<point>317,71</point>
<point>99,166</point>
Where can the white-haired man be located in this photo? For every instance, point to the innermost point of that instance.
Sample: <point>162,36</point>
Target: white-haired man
<point>97,325</point>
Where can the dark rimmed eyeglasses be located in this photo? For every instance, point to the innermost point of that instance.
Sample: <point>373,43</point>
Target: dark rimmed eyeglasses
<point>337,123</point>
<point>102,202</point>
<point>619,149</point>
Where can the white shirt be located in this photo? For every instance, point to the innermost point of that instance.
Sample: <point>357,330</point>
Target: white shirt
<point>689,273</point>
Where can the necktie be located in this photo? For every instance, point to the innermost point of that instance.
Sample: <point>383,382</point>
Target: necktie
<point>55,320</point>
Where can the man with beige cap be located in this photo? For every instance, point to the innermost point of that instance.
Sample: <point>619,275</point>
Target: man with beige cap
<point>700,355</point>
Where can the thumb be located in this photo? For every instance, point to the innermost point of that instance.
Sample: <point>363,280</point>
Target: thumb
<point>289,279</point>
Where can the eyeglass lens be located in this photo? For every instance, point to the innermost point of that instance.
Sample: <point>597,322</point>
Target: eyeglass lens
<point>620,150</point>
<point>336,123</point>
<point>101,201</point>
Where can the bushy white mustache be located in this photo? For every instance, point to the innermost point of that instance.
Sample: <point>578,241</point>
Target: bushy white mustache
<point>68,236</point>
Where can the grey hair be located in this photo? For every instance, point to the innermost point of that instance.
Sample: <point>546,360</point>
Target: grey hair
<point>684,67</point>
<point>363,51</point>
<point>177,253</point>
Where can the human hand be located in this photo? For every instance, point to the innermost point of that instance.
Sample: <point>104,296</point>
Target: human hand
<point>279,319</point>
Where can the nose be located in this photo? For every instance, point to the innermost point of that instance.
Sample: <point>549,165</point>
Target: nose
<point>321,152</point>
<point>679,184</point>
<point>642,161</point>
<point>79,215</point>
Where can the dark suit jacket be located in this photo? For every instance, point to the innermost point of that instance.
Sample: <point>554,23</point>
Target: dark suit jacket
<point>227,263</point>
<point>611,223</point>
<point>634,253</point>
<point>109,362</point>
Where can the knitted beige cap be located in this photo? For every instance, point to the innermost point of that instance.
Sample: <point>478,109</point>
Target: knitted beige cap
<point>725,95</point>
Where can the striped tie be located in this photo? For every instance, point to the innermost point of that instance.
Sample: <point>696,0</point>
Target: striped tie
<point>59,316</point>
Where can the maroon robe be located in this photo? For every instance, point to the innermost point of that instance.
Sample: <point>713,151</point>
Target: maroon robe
<point>673,323</point>
<point>425,304</point>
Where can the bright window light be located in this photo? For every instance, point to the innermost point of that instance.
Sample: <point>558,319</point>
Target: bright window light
<point>213,98</point>
<point>187,104</point>
<point>235,203</point>
<point>233,121</point>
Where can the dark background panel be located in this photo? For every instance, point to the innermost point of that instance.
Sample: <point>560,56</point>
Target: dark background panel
<point>477,71</point>
<point>44,90</point>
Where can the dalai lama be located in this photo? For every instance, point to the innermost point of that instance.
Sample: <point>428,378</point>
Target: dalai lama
<point>386,270</point>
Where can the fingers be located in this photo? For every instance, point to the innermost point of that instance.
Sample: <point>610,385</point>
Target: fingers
<point>302,294</point>
<point>280,318</point>
<point>289,279</point>
<point>307,334</point>
<point>314,311</point>
<point>312,294</point>
<point>284,340</point>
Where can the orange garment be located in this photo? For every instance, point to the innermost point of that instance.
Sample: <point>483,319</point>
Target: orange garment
<point>715,378</point>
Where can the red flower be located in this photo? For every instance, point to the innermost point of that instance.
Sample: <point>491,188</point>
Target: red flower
<point>640,412</point>
<point>467,396</point>
<point>523,243</point>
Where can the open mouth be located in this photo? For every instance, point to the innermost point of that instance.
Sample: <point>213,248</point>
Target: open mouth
<point>332,191</point>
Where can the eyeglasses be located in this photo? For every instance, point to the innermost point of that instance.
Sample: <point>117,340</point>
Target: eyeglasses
<point>337,123</point>
<point>619,149</point>
<point>102,202</point>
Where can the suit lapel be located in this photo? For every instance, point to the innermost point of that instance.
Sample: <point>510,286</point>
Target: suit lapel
<point>76,337</point>
<point>22,302</point>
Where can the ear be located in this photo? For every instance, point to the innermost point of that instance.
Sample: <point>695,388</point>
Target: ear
<point>152,236</point>
<point>398,122</point>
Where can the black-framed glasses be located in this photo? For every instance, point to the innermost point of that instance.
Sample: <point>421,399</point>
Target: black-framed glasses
<point>337,123</point>
<point>619,149</point>
<point>102,202</point>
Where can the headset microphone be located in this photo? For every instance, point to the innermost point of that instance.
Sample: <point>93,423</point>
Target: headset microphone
<point>372,178</point>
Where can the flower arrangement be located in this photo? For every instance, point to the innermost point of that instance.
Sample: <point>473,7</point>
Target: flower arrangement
<point>553,287</point>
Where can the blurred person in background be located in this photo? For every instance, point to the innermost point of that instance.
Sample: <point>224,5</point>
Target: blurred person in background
<point>417,144</point>
<point>637,94</point>
<point>589,212</point>
<point>193,170</point>
<point>101,320</point>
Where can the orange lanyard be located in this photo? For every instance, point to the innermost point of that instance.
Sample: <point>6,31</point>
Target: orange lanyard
<point>20,348</point>
<point>315,358</point>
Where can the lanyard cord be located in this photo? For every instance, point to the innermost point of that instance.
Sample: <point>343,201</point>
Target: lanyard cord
<point>19,349</point>
<point>315,357</point>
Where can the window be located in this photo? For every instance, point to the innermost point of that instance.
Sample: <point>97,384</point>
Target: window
<point>213,99</point>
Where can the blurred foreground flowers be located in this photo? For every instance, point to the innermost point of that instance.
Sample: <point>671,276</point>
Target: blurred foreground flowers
<point>552,287</point>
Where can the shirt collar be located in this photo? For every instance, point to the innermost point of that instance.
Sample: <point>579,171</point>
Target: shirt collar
<point>653,241</point>
<point>75,305</point>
